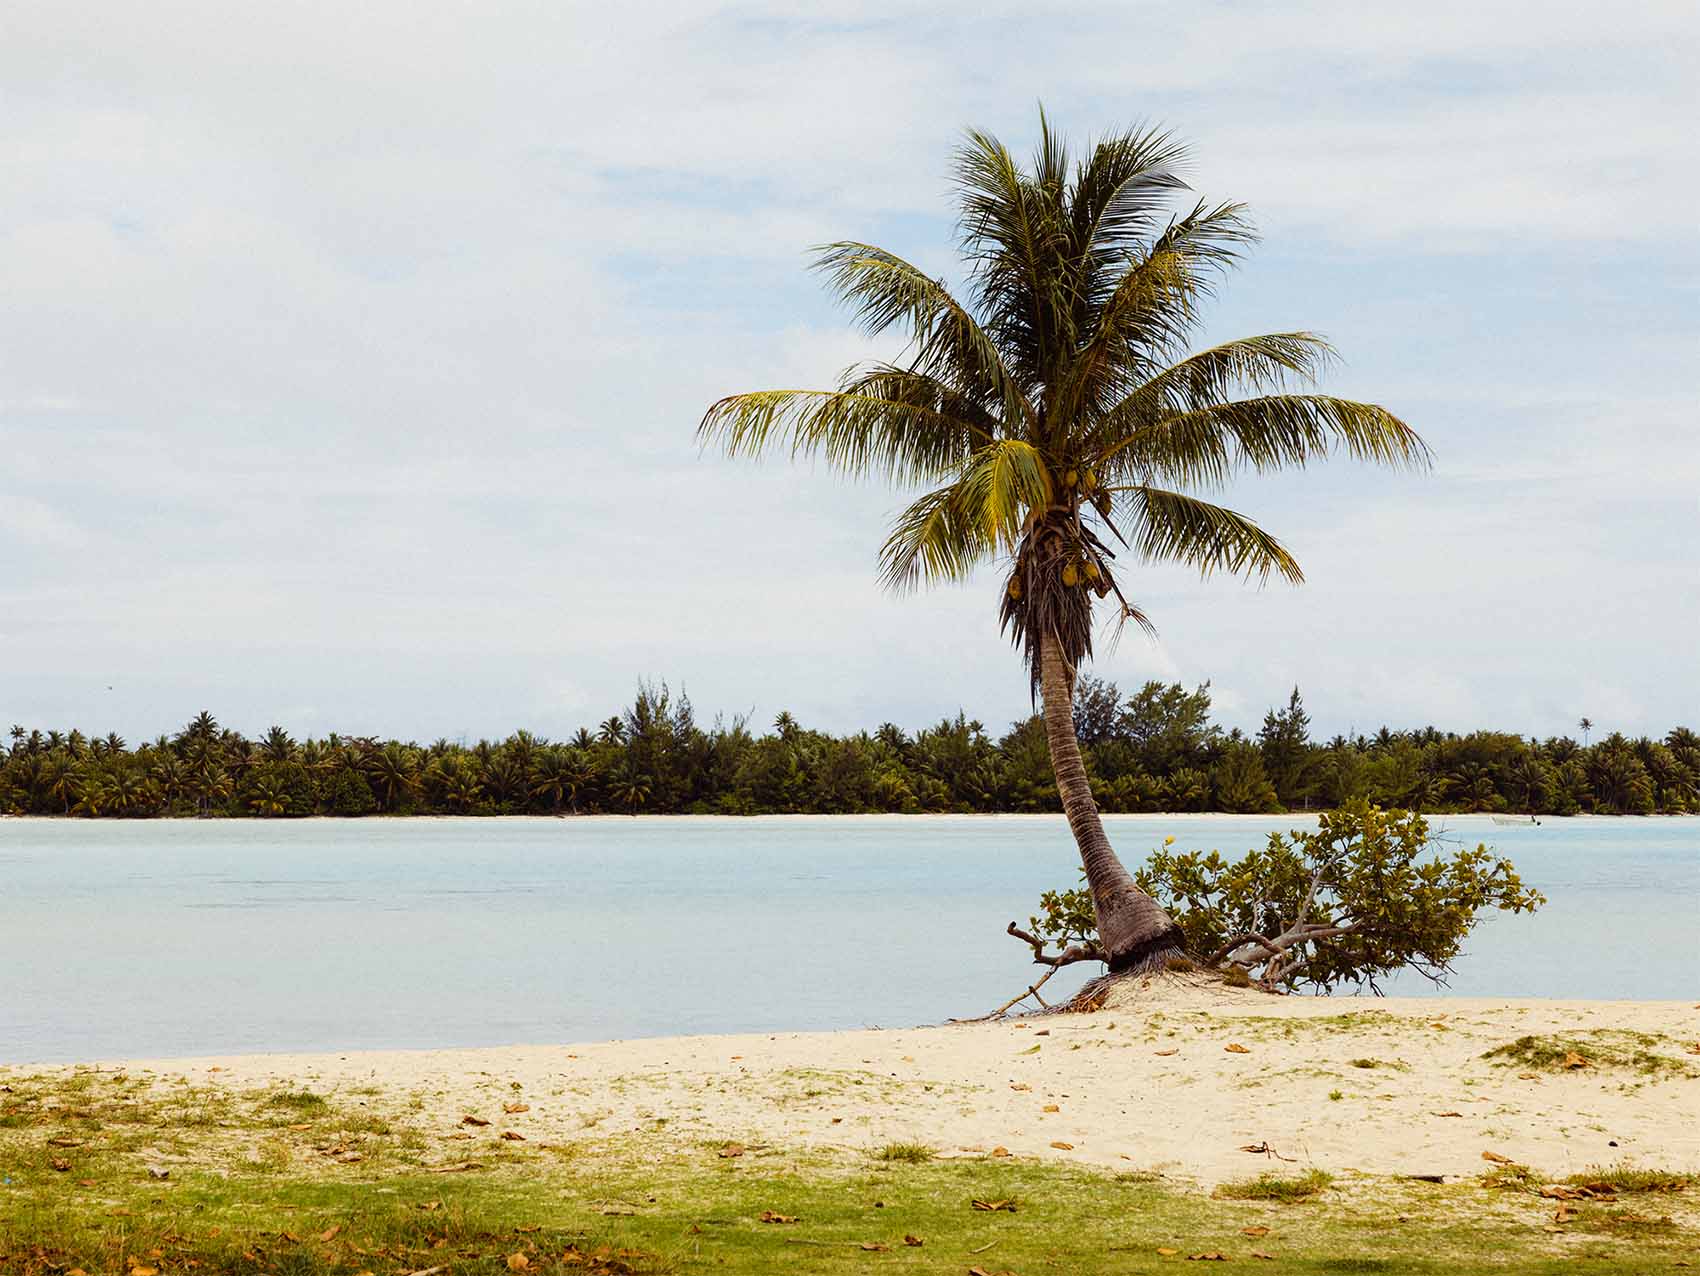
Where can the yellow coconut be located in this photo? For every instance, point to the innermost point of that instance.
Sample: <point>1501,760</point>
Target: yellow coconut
<point>1071,478</point>
<point>1091,571</point>
<point>1015,589</point>
<point>1070,577</point>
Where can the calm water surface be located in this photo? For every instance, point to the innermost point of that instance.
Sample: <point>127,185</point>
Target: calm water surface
<point>183,937</point>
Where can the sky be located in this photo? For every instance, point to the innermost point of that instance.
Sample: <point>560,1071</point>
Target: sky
<point>351,355</point>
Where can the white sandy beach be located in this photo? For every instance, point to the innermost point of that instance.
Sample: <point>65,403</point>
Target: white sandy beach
<point>1152,1086</point>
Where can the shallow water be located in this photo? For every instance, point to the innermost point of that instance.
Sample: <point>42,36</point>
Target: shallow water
<point>156,938</point>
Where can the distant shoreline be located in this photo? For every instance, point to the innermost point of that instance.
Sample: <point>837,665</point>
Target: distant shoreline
<point>686,817</point>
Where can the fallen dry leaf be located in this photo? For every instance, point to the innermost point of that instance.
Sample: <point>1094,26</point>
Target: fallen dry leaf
<point>329,1234</point>
<point>1209,1256</point>
<point>992,1207</point>
<point>1019,1085</point>
<point>1447,1114</point>
<point>768,1216</point>
<point>511,1108</point>
<point>1497,1159</point>
<point>1166,1250</point>
<point>1234,1047</point>
<point>1574,1060</point>
<point>1527,1076</point>
<point>874,1247</point>
<point>518,1262</point>
<point>64,1143</point>
<point>1254,1231</point>
<point>513,1136</point>
<point>459,1167</point>
<point>732,1149</point>
<point>1061,1146</point>
<point>1050,1107</point>
<point>1564,1213</point>
<point>1032,1049</point>
<point>999,1150</point>
<point>1257,1253</point>
<point>1169,1051</point>
<point>913,1240</point>
<point>469,1119</point>
<point>61,1164</point>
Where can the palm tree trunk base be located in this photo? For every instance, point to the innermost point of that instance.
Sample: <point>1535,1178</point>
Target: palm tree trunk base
<point>1153,954</point>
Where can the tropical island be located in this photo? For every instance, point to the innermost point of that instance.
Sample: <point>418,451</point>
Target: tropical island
<point>1154,750</point>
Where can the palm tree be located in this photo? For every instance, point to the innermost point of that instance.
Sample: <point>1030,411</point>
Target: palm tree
<point>1056,412</point>
<point>1585,725</point>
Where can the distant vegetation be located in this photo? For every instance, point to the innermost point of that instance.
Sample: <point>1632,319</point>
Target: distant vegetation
<point>1154,750</point>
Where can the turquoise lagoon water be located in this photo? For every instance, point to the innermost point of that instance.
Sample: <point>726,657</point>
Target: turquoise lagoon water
<point>161,938</point>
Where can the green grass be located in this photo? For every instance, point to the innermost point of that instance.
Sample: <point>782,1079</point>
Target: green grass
<point>253,1197</point>
<point>1601,1048</point>
<point>1274,1187</point>
<point>910,1153</point>
<point>304,1102</point>
<point>1630,1179</point>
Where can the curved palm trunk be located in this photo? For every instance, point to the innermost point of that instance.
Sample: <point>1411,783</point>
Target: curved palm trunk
<point>1133,931</point>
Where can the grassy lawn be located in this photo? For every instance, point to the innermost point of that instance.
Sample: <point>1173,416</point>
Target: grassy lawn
<point>282,1183</point>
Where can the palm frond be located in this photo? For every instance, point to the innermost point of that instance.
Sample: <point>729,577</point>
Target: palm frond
<point>1208,444</point>
<point>860,433</point>
<point>1166,526</point>
<point>1001,486</point>
<point>885,290</point>
<point>932,540</point>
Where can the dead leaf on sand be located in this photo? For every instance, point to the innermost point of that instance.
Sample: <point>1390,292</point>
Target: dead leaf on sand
<point>732,1149</point>
<point>1234,1047</point>
<point>1061,1146</point>
<point>1497,1159</point>
<point>1574,1060</point>
<point>513,1136</point>
<point>1171,1050</point>
<point>1050,1107</point>
<point>999,1150</point>
<point>1446,1114</point>
<point>1019,1085</point>
<point>469,1119</point>
<point>512,1108</point>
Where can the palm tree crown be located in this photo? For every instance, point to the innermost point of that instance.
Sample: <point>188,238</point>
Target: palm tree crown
<point>1056,415</point>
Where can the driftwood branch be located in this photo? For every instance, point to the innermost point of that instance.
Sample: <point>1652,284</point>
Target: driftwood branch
<point>1067,957</point>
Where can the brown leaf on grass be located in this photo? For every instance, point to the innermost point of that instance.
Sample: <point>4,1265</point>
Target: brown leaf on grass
<point>874,1247</point>
<point>329,1234</point>
<point>992,1207</point>
<point>460,1167</point>
<point>469,1119</point>
<point>1208,1256</point>
<point>1564,1213</point>
<point>60,1163</point>
<point>1061,1146</point>
<point>512,1108</point>
<point>913,1241</point>
<point>1574,1060</point>
<point>1558,1192</point>
<point>1497,1159</point>
<point>529,1227</point>
<point>1167,1250</point>
<point>513,1136</point>
<point>142,1269</point>
<point>1234,1047</point>
<point>64,1143</point>
<point>426,1271</point>
<point>518,1262</point>
<point>1257,1253</point>
<point>430,1205</point>
<point>1254,1231</point>
<point>732,1149</point>
<point>768,1216</point>
<point>999,1150</point>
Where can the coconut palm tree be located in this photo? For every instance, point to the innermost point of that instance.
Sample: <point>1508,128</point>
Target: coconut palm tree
<point>1055,416</point>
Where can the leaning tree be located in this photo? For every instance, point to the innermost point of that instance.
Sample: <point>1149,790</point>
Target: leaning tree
<point>1056,417</point>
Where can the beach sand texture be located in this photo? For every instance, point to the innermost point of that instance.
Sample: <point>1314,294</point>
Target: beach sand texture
<point>1183,1078</point>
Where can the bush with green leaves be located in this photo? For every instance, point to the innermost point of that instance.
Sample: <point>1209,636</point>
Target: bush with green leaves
<point>1369,892</point>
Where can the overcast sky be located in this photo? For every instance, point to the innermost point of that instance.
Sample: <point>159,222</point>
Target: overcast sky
<point>350,355</point>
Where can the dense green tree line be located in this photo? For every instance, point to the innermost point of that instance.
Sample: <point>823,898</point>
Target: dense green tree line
<point>1153,750</point>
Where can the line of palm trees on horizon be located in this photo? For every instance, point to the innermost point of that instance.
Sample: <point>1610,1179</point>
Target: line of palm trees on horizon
<point>1153,750</point>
